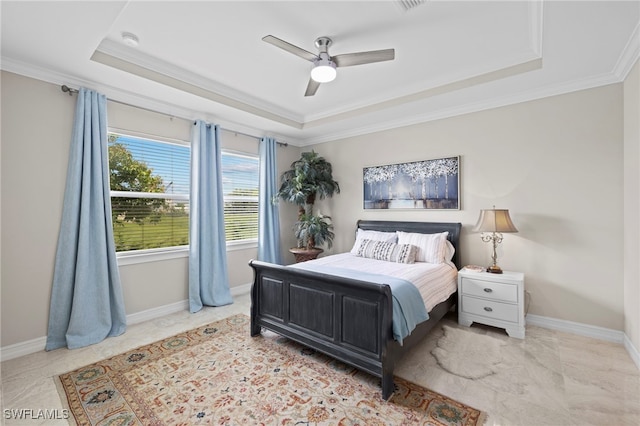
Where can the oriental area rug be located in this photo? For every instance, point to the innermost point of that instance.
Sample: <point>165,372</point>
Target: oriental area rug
<point>219,375</point>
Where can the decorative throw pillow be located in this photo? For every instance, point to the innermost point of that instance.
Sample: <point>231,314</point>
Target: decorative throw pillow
<point>431,247</point>
<point>391,252</point>
<point>361,234</point>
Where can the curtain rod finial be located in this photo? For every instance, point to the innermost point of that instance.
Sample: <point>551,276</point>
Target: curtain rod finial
<point>68,89</point>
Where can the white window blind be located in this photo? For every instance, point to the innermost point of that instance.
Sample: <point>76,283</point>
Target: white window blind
<point>149,192</point>
<point>240,188</point>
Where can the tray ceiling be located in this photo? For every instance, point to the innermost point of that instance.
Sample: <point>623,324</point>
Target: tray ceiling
<point>208,60</point>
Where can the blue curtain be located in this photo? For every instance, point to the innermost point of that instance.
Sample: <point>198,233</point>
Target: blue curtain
<point>86,298</point>
<point>268,218</point>
<point>208,276</point>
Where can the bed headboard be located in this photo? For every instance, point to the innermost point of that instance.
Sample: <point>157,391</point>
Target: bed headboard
<point>421,227</point>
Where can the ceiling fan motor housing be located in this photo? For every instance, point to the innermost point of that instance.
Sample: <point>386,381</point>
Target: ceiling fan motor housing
<point>323,43</point>
<point>324,69</point>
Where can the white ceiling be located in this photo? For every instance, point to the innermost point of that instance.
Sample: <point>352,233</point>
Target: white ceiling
<point>207,59</point>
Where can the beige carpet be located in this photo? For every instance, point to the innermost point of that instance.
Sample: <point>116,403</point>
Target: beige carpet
<point>468,354</point>
<point>218,374</point>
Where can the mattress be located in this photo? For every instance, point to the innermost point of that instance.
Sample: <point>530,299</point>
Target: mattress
<point>435,282</point>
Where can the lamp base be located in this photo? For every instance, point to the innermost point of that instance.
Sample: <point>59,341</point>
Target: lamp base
<point>494,269</point>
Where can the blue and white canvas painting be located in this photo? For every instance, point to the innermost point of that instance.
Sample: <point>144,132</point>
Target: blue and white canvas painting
<point>428,184</point>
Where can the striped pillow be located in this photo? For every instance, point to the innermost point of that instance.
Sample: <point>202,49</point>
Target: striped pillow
<point>361,234</point>
<point>431,247</point>
<point>383,250</point>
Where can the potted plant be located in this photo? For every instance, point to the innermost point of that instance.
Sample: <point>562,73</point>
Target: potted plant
<point>309,179</point>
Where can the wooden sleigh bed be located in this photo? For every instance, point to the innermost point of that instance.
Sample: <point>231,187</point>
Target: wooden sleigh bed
<point>348,319</point>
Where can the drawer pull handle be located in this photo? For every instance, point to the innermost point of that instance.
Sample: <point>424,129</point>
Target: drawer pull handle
<point>488,309</point>
<point>488,290</point>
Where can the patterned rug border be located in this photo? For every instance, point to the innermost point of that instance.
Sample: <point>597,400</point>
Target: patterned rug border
<point>150,352</point>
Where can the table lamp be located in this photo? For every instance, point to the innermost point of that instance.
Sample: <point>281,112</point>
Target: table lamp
<point>493,223</point>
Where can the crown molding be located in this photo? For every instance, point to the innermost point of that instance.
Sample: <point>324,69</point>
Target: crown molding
<point>28,70</point>
<point>497,102</point>
<point>629,55</point>
<point>478,77</point>
<point>518,63</point>
<point>132,61</point>
<point>121,58</point>
<point>627,59</point>
<point>188,87</point>
<point>118,95</point>
<point>536,26</point>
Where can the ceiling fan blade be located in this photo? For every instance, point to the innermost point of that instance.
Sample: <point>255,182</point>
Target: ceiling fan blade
<point>360,58</point>
<point>290,48</point>
<point>312,87</point>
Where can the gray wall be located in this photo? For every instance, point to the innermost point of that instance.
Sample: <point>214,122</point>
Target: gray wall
<point>37,119</point>
<point>555,163</point>
<point>565,166</point>
<point>632,205</point>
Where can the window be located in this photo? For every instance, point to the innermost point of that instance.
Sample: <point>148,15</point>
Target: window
<point>240,188</point>
<point>149,192</point>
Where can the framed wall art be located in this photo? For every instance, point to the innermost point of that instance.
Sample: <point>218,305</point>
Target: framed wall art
<point>427,184</point>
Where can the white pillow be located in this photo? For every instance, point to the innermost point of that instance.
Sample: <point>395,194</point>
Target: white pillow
<point>383,250</point>
<point>361,234</point>
<point>449,251</point>
<point>431,247</point>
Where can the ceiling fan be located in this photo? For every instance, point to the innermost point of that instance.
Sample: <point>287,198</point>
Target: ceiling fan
<point>324,65</point>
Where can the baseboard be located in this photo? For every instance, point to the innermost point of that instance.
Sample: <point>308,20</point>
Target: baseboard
<point>593,331</point>
<point>160,311</point>
<point>580,329</point>
<point>600,333</point>
<point>38,344</point>
<point>241,289</point>
<point>23,348</point>
<point>633,351</point>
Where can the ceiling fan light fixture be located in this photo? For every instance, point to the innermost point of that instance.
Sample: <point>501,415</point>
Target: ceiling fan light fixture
<point>323,71</point>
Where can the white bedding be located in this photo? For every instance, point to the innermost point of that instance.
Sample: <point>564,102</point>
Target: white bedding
<point>435,282</point>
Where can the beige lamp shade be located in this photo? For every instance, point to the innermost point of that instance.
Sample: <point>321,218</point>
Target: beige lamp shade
<point>495,220</point>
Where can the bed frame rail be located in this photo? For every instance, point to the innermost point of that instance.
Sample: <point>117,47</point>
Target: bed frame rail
<point>347,319</point>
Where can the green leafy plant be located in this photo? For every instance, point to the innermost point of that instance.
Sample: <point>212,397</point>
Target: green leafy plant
<point>310,178</point>
<point>314,230</point>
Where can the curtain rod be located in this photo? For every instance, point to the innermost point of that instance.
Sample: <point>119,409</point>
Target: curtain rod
<point>71,91</point>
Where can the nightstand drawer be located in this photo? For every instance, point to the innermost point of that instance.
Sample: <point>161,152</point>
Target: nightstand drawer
<point>490,309</point>
<point>490,290</point>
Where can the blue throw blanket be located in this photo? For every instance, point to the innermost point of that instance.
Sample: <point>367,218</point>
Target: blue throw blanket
<point>408,306</point>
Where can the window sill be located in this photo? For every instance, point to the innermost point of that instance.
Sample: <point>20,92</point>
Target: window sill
<point>151,255</point>
<point>242,245</point>
<point>156,255</point>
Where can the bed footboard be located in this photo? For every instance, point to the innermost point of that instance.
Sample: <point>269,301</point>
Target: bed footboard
<point>347,319</point>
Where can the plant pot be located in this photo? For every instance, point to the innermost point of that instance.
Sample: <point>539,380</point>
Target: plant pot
<point>304,254</point>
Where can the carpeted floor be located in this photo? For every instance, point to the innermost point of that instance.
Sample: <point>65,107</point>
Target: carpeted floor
<point>218,374</point>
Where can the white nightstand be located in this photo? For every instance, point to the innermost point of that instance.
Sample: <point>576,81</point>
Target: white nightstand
<point>492,299</point>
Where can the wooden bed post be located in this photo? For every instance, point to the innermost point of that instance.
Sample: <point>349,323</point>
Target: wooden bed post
<point>387,384</point>
<point>255,300</point>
